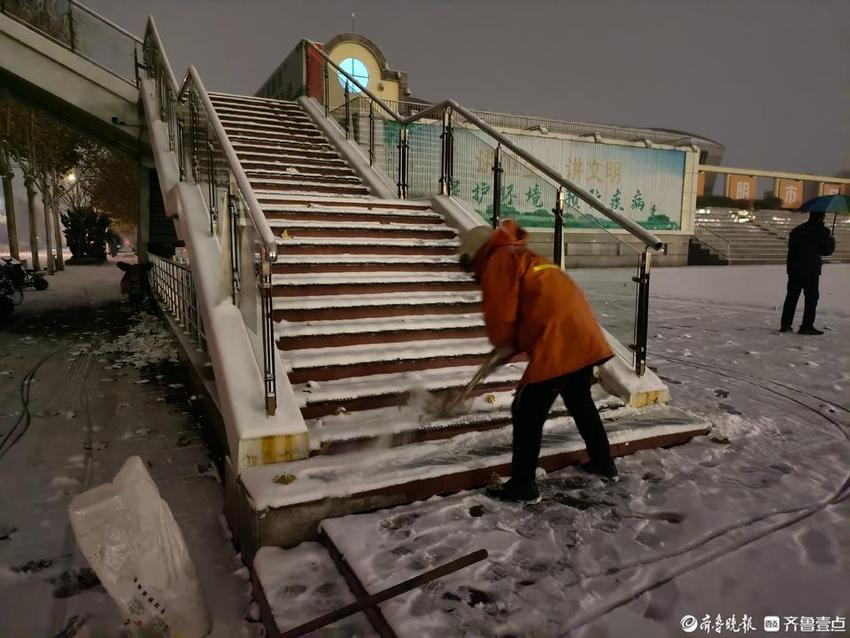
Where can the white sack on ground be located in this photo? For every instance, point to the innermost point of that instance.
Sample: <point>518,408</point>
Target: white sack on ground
<point>131,540</point>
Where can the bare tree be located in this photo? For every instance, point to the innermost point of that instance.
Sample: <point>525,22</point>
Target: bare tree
<point>7,173</point>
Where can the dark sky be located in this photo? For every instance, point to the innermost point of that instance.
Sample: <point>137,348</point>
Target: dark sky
<point>768,78</point>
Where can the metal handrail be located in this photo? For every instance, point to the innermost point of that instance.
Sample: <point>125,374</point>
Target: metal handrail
<point>724,240</point>
<point>255,211</point>
<point>635,229</point>
<point>152,32</point>
<point>192,101</point>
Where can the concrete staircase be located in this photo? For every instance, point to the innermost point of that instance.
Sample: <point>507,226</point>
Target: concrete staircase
<point>373,315</point>
<point>781,223</point>
<point>761,237</point>
<point>750,243</point>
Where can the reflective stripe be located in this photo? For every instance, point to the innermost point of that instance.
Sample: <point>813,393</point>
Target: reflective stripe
<point>543,267</point>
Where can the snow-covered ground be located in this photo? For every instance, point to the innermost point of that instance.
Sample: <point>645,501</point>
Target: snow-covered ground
<point>100,385</point>
<point>750,521</point>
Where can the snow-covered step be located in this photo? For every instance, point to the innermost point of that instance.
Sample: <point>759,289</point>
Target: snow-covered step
<point>296,166</point>
<point>237,98</point>
<point>338,228</point>
<point>346,332</point>
<point>354,282</point>
<point>336,401</point>
<point>334,485</point>
<point>365,202</point>
<point>367,262</point>
<point>311,158</point>
<point>299,584</point>
<point>323,364</point>
<point>283,128</point>
<point>365,245</point>
<point>290,264</point>
<point>330,307</point>
<point>279,149</point>
<point>261,115</point>
<point>275,179</point>
<point>308,186</point>
<point>290,140</point>
<point>352,213</point>
<point>287,329</point>
<point>404,422</point>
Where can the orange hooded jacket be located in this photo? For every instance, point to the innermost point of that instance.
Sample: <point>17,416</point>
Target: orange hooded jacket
<point>532,306</point>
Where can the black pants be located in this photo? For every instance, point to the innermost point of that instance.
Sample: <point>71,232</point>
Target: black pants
<point>531,407</point>
<point>808,285</point>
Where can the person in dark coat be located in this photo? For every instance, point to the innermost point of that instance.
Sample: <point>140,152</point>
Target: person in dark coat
<point>807,243</point>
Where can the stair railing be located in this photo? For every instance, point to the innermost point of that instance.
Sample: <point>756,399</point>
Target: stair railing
<point>207,158</point>
<point>714,240</point>
<point>421,161</point>
<point>82,31</point>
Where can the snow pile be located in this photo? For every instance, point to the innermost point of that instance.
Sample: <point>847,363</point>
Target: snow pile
<point>148,342</point>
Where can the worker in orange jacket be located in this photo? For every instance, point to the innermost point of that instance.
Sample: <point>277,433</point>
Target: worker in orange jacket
<point>531,306</point>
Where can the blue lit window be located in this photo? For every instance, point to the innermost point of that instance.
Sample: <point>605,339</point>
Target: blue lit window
<point>357,70</point>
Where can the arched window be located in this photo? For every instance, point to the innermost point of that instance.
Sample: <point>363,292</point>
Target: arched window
<point>357,70</point>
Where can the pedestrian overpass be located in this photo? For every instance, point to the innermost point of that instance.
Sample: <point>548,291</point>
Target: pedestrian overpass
<point>76,65</point>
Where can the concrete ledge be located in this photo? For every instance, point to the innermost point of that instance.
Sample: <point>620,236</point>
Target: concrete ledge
<point>350,151</point>
<point>639,392</point>
<point>456,213</point>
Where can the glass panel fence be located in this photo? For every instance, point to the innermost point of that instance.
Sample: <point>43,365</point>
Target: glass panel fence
<point>83,31</point>
<point>103,44</point>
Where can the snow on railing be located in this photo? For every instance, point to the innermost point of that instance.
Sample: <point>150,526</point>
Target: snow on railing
<point>206,157</point>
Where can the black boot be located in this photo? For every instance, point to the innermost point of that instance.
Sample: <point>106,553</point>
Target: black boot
<point>514,493</point>
<point>809,330</point>
<point>605,469</point>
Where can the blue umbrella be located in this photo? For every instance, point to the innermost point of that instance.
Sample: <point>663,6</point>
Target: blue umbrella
<point>835,204</point>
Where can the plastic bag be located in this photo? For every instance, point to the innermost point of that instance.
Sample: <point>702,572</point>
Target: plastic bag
<point>131,540</point>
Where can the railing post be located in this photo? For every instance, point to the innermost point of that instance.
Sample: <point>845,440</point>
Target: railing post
<point>558,238</point>
<point>181,147</point>
<point>497,185</point>
<point>193,134</point>
<point>235,232</point>
<point>403,148</point>
<point>446,154</point>
<point>71,32</point>
<point>327,91</point>
<point>171,111</point>
<point>371,132</point>
<point>211,184</point>
<point>268,338</point>
<point>642,320</point>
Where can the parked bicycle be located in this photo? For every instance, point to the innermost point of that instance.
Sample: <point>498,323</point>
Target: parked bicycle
<point>22,277</point>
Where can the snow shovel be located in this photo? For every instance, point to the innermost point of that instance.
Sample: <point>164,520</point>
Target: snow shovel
<point>448,404</point>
